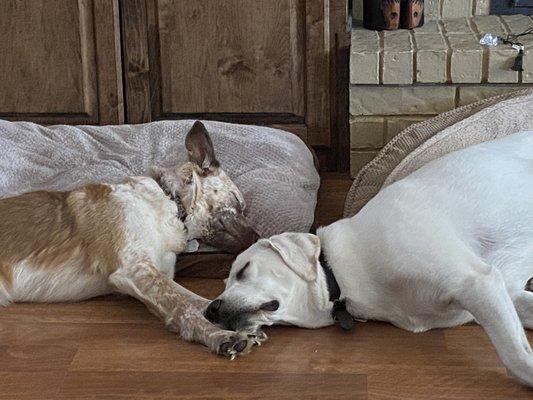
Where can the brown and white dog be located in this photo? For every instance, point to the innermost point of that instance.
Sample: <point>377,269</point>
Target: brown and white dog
<point>102,238</point>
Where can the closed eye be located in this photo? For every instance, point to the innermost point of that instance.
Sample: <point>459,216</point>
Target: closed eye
<point>240,274</point>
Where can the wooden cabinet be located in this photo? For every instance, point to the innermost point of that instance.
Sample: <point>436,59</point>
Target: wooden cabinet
<point>60,61</point>
<point>251,61</point>
<point>266,62</point>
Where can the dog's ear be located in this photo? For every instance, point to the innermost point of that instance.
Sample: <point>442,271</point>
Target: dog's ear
<point>200,147</point>
<point>300,251</point>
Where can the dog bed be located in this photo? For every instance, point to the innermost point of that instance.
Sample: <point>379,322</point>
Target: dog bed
<point>426,141</point>
<point>274,169</point>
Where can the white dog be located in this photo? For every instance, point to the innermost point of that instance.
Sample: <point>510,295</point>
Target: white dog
<point>450,244</point>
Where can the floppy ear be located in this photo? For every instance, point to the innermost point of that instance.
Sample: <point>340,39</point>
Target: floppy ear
<point>300,251</point>
<point>200,147</point>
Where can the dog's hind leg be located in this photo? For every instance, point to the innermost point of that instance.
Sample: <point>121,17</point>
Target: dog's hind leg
<point>523,302</point>
<point>485,296</point>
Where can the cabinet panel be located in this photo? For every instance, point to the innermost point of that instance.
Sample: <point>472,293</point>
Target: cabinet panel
<point>233,56</point>
<point>248,61</point>
<point>60,63</point>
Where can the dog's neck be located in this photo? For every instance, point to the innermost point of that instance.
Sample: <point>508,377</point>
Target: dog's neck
<point>182,212</point>
<point>334,291</point>
<point>320,288</point>
<point>336,306</point>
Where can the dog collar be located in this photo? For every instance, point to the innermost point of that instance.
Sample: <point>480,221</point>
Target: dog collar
<point>340,314</point>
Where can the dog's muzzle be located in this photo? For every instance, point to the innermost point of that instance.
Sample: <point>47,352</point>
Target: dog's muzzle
<point>229,231</point>
<point>220,314</point>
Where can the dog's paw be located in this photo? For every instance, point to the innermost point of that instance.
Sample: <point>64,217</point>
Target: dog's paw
<point>256,335</point>
<point>231,344</point>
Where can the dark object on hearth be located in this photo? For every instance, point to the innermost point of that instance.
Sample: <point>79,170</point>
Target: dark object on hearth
<point>412,14</point>
<point>519,62</point>
<point>511,7</point>
<point>381,14</point>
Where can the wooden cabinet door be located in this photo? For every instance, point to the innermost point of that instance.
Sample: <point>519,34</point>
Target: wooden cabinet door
<point>60,61</point>
<point>247,61</point>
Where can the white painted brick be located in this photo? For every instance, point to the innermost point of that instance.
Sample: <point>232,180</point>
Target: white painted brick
<point>527,75</point>
<point>482,7</point>
<point>364,58</point>
<point>488,24</point>
<point>432,9</point>
<point>428,27</point>
<point>367,132</point>
<point>471,94</point>
<point>431,58</point>
<point>456,8</point>
<point>397,57</point>
<point>517,23</point>
<point>397,124</point>
<point>358,159</point>
<point>501,60</point>
<point>390,100</point>
<point>457,25</point>
<point>466,60</point>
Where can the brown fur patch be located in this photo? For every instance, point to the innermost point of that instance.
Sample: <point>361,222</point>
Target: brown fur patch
<point>6,275</point>
<point>48,229</point>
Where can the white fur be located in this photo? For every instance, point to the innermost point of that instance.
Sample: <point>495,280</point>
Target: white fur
<point>34,284</point>
<point>449,244</point>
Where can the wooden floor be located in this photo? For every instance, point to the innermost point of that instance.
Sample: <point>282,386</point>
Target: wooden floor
<point>113,348</point>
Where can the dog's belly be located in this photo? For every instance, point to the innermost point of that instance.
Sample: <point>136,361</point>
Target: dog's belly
<point>415,321</point>
<point>67,283</point>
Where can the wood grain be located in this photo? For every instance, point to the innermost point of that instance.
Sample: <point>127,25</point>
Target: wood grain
<point>137,90</point>
<point>59,61</point>
<point>239,57</point>
<point>247,61</point>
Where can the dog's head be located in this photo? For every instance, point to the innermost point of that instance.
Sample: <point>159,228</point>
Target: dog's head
<point>213,205</point>
<point>275,281</point>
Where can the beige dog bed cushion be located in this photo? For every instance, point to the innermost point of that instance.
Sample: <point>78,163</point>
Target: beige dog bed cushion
<point>426,141</point>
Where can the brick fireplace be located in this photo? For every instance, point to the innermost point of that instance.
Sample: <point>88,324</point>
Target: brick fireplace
<point>398,78</point>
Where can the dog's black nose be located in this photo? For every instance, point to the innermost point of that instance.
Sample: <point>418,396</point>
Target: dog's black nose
<point>212,310</point>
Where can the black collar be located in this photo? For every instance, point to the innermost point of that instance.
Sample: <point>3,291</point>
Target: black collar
<point>333,287</point>
<point>340,315</point>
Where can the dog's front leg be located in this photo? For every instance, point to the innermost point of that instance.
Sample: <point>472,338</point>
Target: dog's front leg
<point>180,309</point>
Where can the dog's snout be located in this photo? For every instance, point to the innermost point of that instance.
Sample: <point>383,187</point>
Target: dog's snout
<point>211,313</point>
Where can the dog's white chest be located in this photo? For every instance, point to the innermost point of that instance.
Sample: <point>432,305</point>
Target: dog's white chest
<point>151,217</point>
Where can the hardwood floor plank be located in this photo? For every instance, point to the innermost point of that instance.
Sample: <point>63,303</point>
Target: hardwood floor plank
<point>35,358</point>
<point>457,383</point>
<point>72,335</point>
<point>30,385</point>
<point>218,385</point>
<point>113,309</point>
<point>296,350</point>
